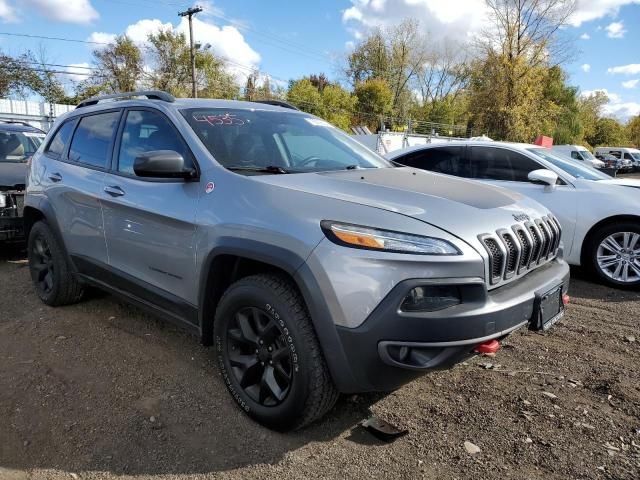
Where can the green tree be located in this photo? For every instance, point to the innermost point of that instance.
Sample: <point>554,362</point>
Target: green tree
<point>338,106</point>
<point>119,66</point>
<point>170,62</point>
<point>608,132</point>
<point>589,111</point>
<point>633,131</point>
<point>374,99</point>
<point>565,126</point>
<point>212,78</point>
<point>305,96</point>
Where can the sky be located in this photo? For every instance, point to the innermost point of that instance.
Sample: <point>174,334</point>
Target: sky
<point>289,39</point>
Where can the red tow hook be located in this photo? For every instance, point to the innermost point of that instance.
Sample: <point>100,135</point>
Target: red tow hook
<point>566,299</point>
<point>492,346</point>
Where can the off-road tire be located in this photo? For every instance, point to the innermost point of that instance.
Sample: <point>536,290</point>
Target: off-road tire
<point>312,392</point>
<point>65,289</point>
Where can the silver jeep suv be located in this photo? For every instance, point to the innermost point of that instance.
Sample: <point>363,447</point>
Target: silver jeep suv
<point>313,265</point>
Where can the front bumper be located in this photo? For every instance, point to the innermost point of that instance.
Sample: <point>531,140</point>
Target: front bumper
<point>392,347</point>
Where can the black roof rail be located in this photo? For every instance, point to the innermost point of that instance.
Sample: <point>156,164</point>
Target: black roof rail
<point>150,94</point>
<point>277,103</point>
<point>19,122</point>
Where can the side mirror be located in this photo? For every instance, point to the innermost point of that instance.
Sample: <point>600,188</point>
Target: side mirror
<point>544,177</point>
<point>162,164</point>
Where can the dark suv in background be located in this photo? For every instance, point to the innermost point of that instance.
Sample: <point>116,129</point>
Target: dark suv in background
<point>18,141</point>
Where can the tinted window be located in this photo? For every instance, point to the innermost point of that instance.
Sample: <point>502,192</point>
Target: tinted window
<point>576,155</point>
<point>59,141</point>
<point>501,164</point>
<point>90,144</point>
<point>627,156</point>
<point>145,131</point>
<point>449,160</point>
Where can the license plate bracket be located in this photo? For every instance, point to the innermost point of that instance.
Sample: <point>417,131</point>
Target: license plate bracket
<point>549,309</point>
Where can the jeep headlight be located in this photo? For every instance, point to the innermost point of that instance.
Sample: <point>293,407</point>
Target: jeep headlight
<point>368,238</point>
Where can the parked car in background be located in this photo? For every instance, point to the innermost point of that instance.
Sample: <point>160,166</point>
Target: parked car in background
<point>630,156</point>
<point>312,264</point>
<point>611,161</point>
<point>18,141</point>
<point>599,215</point>
<point>578,152</point>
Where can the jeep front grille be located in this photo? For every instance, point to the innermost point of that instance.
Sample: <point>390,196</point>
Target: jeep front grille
<point>522,248</point>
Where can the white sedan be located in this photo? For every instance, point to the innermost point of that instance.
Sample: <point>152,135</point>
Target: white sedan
<point>600,216</point>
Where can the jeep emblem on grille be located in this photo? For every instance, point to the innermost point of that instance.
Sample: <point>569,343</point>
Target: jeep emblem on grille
<point>521,217</point>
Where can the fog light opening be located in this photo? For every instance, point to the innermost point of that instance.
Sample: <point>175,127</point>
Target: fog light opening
<point>430,298</point>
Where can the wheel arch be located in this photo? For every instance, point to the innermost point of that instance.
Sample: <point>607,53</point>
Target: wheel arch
<point>588,238</point>
<point>248,257</point>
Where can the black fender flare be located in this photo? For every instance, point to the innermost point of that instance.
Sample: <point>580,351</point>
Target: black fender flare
<point>304,279</point>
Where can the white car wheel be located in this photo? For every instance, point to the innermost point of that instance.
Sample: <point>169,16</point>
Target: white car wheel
<point>618,257</point>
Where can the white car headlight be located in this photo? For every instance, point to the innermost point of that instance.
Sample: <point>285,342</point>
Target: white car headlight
<point>357,236</point>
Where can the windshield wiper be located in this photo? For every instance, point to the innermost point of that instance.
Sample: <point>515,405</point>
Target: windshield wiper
<point>267,169</point>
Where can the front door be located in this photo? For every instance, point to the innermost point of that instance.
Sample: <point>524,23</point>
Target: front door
<point>150,223</point>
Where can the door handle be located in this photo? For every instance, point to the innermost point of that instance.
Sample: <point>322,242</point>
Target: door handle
<point>55,177</point>
<point>114,191</point>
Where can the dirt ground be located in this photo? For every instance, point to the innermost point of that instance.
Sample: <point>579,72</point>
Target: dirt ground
<point>101,390</point>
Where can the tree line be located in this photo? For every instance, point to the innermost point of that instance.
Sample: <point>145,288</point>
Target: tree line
<point>508,83</point>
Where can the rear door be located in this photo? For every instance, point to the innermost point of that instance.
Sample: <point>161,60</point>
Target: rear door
<point>76,161</point>
<point>150,223</point>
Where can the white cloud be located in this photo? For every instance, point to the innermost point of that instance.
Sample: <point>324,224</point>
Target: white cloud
<point>586,67</point>
<point>225,41</point>
<point>615,30</point>
<point>616,107</point>
<point>630,83</point>
<point>69,11</point>
<point>454,19</point>
<point>585,36</point>
<point>631,69</point>
<point>7,12</point>
<point>101,37</point>
<point>587,10</point>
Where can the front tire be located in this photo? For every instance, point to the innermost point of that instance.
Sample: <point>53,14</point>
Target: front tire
<point>614,255</point>
<point>268,353</point>
<point>51,273</point>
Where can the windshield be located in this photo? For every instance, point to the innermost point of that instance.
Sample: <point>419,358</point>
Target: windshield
<point>277,142</point>
<point>574,169</point>
<point>18,146</point>
<point>636,156</point>
<point>587,155</point>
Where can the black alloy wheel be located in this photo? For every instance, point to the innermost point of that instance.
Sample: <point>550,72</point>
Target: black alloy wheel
<point>42,265</point>
<point>259,355</point>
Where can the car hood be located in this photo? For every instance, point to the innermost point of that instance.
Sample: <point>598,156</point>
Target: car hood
<point>457,205</point>
<point>13,174</point>
<point>625,182</point>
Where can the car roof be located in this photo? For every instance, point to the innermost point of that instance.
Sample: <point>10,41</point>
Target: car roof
<point>469,143</point>
<point>18,127</point>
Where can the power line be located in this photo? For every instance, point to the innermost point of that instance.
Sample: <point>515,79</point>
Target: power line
<point>42,37</point>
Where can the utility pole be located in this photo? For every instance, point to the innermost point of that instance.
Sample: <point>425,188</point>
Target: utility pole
<point>190,12</point>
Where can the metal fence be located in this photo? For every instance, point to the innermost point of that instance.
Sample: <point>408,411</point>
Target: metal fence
<point>38,114</point>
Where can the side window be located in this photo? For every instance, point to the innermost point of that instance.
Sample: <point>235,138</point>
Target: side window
<point>59,141</point>
<point>576,155</point>
<point>449,160</point>
<point>92,139</point>
<point>616,154</point>
<point>145,131</point>
<point>628,156</point>
<point>501,164</point>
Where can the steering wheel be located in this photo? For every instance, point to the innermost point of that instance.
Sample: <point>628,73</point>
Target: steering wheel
<point>308,160</point>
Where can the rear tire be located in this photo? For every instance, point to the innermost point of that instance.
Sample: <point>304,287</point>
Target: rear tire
<point>51,273</point>
<point>268,353</point>
<point>613,255</point>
